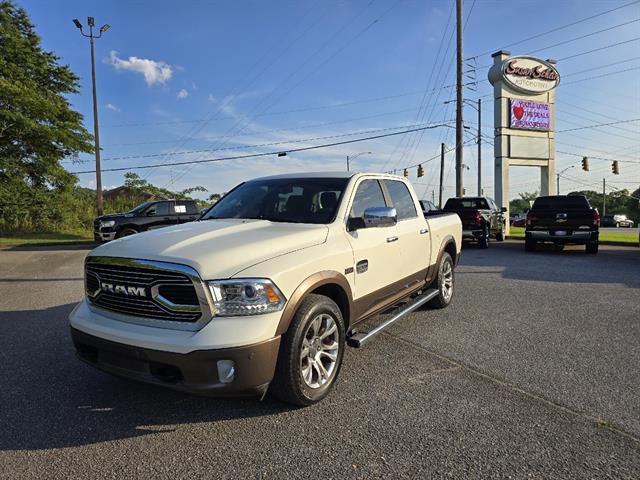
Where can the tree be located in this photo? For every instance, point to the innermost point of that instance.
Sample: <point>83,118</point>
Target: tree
<point>38,127</point>
<point>520,205</point>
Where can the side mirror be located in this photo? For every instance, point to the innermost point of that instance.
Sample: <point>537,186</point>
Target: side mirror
<point>380,217</point>
<point>503,209</point>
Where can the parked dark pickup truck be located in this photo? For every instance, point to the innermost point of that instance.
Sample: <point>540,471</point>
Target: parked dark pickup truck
<point>562,219</point>
<point>481,218</point>
<point>146,216</point>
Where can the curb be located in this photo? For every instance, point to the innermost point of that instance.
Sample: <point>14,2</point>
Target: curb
<point>602,242</point>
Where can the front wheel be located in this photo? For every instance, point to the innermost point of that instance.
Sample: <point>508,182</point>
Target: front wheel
<point>310,353</point>
<point>444,282</point>
<point>500,236</point>
<point>125,232</point>
<point>592,247</point>
<point>529,245</point>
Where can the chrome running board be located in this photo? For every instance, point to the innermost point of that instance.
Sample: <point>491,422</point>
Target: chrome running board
<point>356,340</point>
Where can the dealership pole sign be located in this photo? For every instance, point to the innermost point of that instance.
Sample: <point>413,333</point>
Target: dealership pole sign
<point>524,107</point>
<point>530,75</point>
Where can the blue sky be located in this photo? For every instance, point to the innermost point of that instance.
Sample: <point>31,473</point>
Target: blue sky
<point>197,75</point>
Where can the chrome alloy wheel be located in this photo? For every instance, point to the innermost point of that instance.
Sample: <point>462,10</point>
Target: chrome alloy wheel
<point>446,283</point>
<point>319,354</point>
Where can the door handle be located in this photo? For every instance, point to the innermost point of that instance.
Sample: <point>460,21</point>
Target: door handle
<point>423,231</point>
<point>392,239</point>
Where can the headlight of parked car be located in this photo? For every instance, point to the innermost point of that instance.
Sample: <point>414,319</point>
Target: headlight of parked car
<point>245,296</point>
<point>107,223</point>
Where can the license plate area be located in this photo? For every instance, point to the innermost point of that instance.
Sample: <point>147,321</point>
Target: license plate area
<point>560,233</point>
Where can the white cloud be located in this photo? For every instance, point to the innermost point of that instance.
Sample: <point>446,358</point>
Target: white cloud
<point>111,106</point>
<point>154,72</point>
<point>212,99</point>
<point>183,93</point>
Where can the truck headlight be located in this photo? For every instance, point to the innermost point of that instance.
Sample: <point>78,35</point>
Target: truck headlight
<point>107,223</point>
<point>245,296</point>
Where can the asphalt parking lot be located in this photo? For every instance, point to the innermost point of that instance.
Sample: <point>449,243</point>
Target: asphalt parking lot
<point>531,373</point>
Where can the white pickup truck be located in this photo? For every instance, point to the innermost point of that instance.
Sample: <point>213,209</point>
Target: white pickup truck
<point>266,289</point>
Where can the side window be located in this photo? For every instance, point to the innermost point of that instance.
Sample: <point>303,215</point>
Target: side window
<point>402,199</point>
<point>369,195</point>
<point>161,208</point>
<point>185,208</point>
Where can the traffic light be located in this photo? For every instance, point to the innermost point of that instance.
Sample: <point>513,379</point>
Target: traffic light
<point>420,171</point>
<point>614,168</point>
<point>585,164</point>
<point>406,173</point>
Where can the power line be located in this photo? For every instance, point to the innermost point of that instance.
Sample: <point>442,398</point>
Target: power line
<point>635,39</point>
<point>561,27</point>
<point>293,150</point>
<point>598,125</point>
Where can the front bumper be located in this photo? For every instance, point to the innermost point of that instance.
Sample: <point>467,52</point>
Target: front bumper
<point>576,236</point>
<point>193,372</point>
<point>103,236</point>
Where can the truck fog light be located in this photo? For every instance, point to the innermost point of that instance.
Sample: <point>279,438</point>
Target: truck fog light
<point>226,371</point>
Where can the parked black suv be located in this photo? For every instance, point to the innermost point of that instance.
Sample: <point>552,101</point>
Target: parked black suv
<point>481,218</point>
<point>147,216</point>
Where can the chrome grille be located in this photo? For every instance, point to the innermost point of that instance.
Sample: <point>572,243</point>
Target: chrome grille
<point>145,289</point>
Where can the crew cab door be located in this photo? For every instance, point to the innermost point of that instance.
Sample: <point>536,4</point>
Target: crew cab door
<point>413,232</point>
<point>376,250</point>
<point>159,215</point>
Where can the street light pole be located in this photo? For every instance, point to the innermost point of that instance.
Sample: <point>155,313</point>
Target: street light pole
<point>558,178</point>
<point>459,100</point>
<point>480,147</point>
<point>96,132</point>
<point>354,157</point>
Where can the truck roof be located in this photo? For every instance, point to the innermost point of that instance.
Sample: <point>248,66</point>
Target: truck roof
<point>340,174</point>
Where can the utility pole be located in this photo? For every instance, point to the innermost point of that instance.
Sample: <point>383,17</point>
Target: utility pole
<point>356,156</point>
<point>480,147</point>
<point>441,174</point>
<point>96,133</point>
<point>604,197</point>
<point>459,101</point>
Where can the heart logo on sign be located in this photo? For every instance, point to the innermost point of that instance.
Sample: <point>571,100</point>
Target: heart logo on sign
<point>518,112</point>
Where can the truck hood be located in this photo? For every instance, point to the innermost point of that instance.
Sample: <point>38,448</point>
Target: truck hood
<point>217,248</point>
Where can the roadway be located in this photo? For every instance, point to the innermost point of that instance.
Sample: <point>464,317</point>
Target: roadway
<point>531,372</point>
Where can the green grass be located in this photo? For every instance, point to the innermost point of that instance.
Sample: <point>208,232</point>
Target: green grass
<point>630,236</point>
<point>44,238</point>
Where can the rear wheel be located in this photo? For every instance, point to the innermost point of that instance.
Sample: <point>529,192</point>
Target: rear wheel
<point>500,236</point>
<point>310,353</point>
<point>529,245</point>
<point>592,247</point>
<point>483,242</point>
<point>617,224</point>
<point>125,232</point>
<point>444,282</point>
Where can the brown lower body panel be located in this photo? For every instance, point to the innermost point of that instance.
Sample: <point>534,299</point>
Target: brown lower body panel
<point>379,300</point>
<point>194,372</point>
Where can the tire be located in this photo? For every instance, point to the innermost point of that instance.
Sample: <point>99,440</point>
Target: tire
<point>483,242</point>
<point>125,232</point>
<point>530,245</point>
<point>444,282</point>
<point>592,247</point>
<point>618,225</point>
<point>500,236</point>
<point>295,384</point>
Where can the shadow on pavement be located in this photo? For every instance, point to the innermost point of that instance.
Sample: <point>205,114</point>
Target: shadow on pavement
<point>52,400</point>
<point>551,264</point>
<point>55,247</point>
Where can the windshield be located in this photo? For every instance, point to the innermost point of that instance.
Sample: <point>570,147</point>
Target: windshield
<point>466,203</point>
<point>561,201</point>
<point>292,200</point>
<point>140,207</point>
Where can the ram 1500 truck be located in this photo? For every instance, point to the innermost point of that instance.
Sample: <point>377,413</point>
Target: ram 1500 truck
<point>562,219</point>
<point>146,216</point>
<point>266,289</point>
<point>481,218</point>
